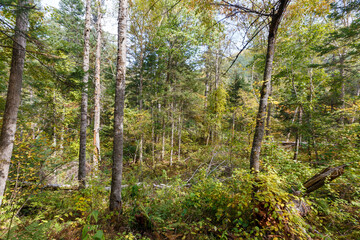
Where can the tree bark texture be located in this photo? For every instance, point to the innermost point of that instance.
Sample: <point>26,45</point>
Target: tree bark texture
<point>268,116</point>
<point>96,156</point>
<point>13,98</point>
<point>115,195</point>
<point>84,98</point>
<point>265,90</point>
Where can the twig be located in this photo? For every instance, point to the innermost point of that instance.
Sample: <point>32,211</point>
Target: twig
<point>244,47</point>
<point>194,173</point>
<point>209,167</point>
<point>215,168</point>
<point>244,9</point>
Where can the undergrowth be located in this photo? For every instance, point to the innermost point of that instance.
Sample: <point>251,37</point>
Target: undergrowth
<point>209,202</point>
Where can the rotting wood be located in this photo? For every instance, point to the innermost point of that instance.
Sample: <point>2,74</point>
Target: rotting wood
<point>326,175</point>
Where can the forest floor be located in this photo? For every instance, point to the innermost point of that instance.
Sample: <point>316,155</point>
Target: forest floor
<point>208,197</point>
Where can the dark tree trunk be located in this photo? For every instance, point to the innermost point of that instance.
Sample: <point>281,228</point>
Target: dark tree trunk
<point>265,90</point>
<point>268,117</point>
<point>84,99</point>
<point>13,98</point>
<point>115,195</point>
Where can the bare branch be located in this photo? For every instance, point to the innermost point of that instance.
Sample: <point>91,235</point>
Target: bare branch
<point>244,9</point>
<point>244,47</point>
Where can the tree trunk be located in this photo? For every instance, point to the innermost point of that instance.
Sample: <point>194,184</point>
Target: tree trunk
<point>206,90</point>
<point>153,137</point>
<point>342,93</point>
<point>268,117</point>
<point>357,96</point>
<point>54,122</point>
<point>13,98</point>
<point>163,141</point>
<point>179,133</point>
<point>115,195</point>
<point>309,118</point>
<point>84,99</point>
<point>217,68</point>
<point>207,77</point>
<point>141,103</point>
<point>265,90</point>
<point>97,93</point>
<point>62,131</point>
<point>172,133</point>
<point>298,136</point>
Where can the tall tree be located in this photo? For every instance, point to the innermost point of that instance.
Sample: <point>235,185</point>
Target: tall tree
<point>14,92</point>
<point>276,17</point>
<point>84,98</point>
<point>115,195</point>
<point>96,156</point>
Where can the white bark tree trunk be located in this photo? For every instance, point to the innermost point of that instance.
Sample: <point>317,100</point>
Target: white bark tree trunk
<point>172,133</point>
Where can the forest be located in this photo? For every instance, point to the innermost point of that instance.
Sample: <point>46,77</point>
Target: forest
<point>180,119</point>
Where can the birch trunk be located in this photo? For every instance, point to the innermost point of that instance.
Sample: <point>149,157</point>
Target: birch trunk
<point>97,93</point>
<point>13,98</point>
<point>206,90</point>
<point>117,168</point>
<point>163,141</point>
<point>141,102</point>
<point>84,99</point>
<point>265,90</point>
<point>172,133</point>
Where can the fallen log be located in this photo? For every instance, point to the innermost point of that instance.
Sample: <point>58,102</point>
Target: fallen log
<point>326,175</point>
